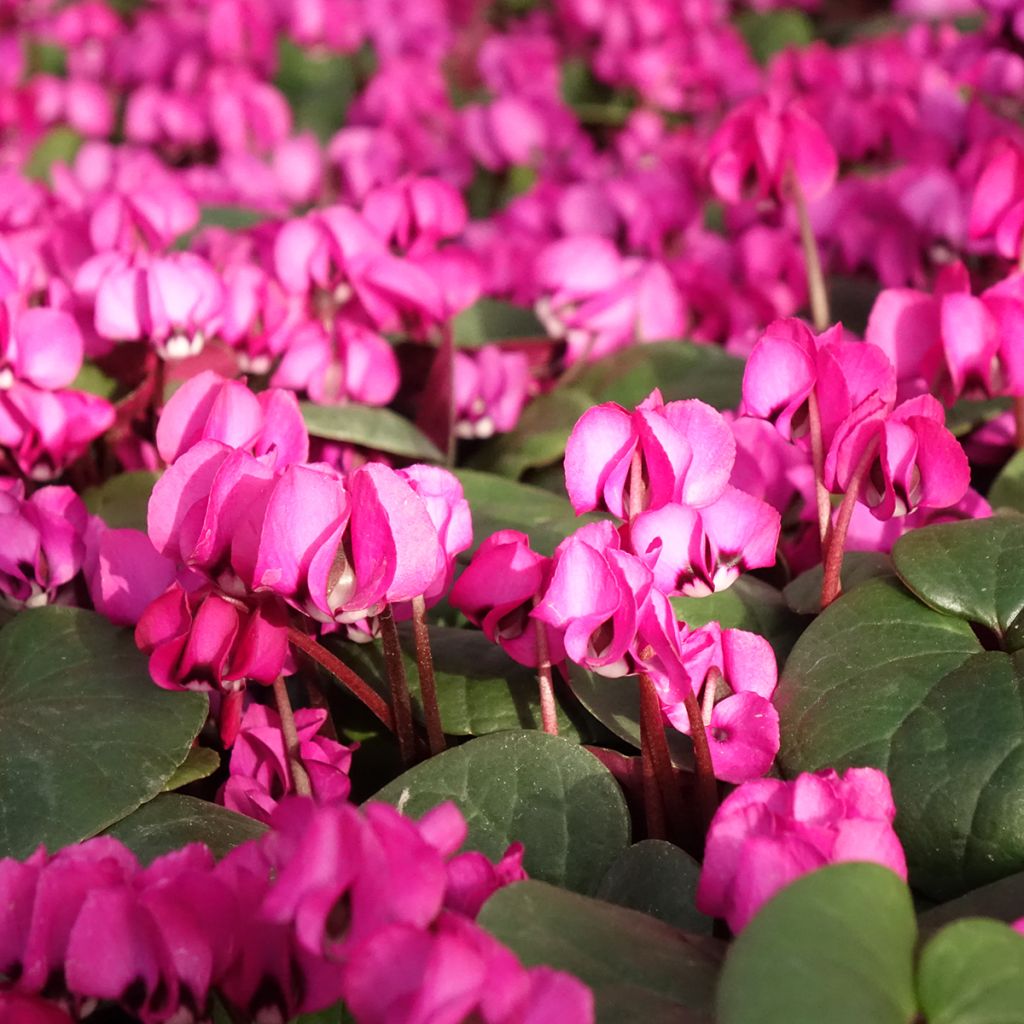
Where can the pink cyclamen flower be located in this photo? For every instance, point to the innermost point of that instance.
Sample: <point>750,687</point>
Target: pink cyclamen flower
<point>123,571</point>
<point>770,832</point>
<point>175,302</point>
<point>997,204</point>
<point>497,592</point>
<point>951,342</point>
<point>491,388</point>
<point>260,775</point>
<point>918,463</point>
<point>599,301</point>
<point>778,144</point>
<point>446,504</point>
<point>594,598</point>
<point>686,451</point>
<point>202,640</point>
<point>210,407</point>
<point>43,544</point>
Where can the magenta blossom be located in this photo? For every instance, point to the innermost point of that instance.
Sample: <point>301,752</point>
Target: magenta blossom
<point>123,572</point>
<point>594,598</point>
<point>209,407</point>
<point>769,832</point>
<point>598,302</point>
<point>491,388</point>
<point>686,452</point>
<point>497,592</point>
<point>202,640</point>
<point>175,302</point>
<point>776,143</point>
<point>44,545</point>
<point>260,773</point>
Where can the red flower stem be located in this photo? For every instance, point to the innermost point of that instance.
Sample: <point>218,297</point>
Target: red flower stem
<point>428,684</point>
<point>401,703</point>
<point>299,778</point>
<point>318,700</point>
<point>816,289</point>
<point>654,747</point>
<point>1018,419</point>
<point>545,682</point>
<point>707,787</point>
<point>637,489</point>
<point>831,583</point>
<point>818,460</point>
<point>355,684</point>
<point>654,808</point>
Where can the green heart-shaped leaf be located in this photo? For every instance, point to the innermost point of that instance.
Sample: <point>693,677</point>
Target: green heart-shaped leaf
<point>489,320</point>
<point>680,369</point>
<point>836,945</point>
<point>85,736</point>
<point>1007,490</point>
<point>881,679</point>
<point>544,791</point>
<point>659,879</point>
<point>501,504</point>
<point>172,821</point>
<point>1003,900</point>
<point>540,436</point>
<point>369,426</point>
<point>639,969</point>
<point>123,500</point>
<point>200,763</point>
<point>971,570</point>
<point>972,972</point>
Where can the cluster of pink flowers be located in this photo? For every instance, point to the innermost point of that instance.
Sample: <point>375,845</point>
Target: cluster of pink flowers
<point>291,923</point>
<point>602,599</point>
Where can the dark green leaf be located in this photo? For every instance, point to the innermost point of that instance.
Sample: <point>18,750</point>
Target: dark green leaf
<point>172,821</point>
<point>659,879</point>
<point>972,972</point>
<point>58,144</point>
<point>85,736</point>
<point>970,569</point>
<point>749,604</point>
<point>638,968</point>
<point>768,33</point>
<point>201,763</point>
<point>680,369</point>
<point>836,945</point>
<point>969,413</point>
<point>501,504</point>
<point>1003,900</point>
<point>480,689</point>
<point>318,86</point>
<point>545,791</point>
<point>489,320</point>
<point>881,679</point>
<point>1007,490</point>
<point>371,427</point>
<point>92,379</point>
<point>540,437</point>
<point>803,595</point>
<point>122,501</point>
<point>615,703</point>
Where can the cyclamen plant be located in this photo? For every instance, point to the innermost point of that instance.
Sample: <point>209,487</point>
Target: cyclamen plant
<point>509,512</point>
